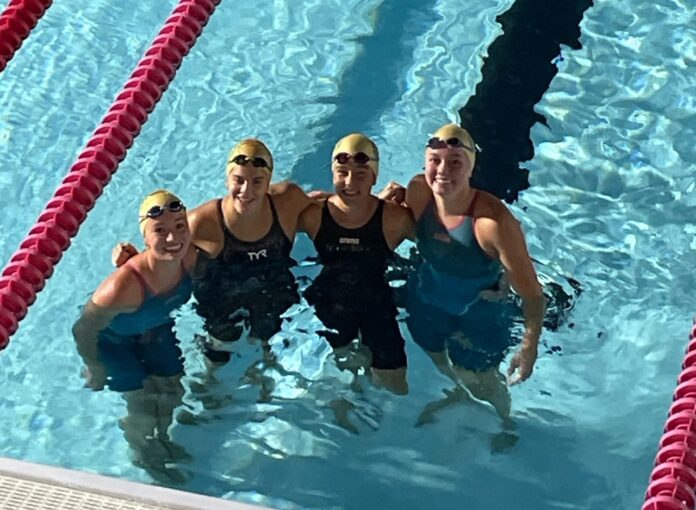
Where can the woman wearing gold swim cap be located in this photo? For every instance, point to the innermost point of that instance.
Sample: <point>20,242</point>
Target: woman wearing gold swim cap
<point>468,238</point>
<point>355,234</point>
<point>245,239</point>
<point>243,280</point>
<point>124,334</point>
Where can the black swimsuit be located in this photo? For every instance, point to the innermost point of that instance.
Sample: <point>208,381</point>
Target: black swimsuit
<point>249,284</point>
<point>350,295</point>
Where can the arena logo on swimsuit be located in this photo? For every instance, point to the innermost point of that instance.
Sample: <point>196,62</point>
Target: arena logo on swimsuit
<point>257,255</point>
<point>349,240</point>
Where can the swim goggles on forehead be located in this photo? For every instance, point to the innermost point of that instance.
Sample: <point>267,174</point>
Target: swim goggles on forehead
<point>243,159</point>
<point>158,210</point>
<point>439,143</point>
<point>359,157</point>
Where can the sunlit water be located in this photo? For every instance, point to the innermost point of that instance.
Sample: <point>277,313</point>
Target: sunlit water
<point>611,206</point>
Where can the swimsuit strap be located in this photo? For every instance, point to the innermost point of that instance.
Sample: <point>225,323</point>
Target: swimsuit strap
<point>221,215</point>
<point>144,287</point>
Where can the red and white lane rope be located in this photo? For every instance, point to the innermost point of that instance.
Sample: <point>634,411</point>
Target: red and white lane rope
<point>32,264</point>
<point>16,22</point>
<point>673,479</point>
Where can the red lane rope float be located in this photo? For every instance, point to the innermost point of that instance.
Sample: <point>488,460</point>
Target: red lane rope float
<point>33,263</point>
<point>16,22</point>
<point>673,479</point>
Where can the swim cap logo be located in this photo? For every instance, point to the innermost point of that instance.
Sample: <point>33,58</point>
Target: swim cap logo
<point>257,255</point>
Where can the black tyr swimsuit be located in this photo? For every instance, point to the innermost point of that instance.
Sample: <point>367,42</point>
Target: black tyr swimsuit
<point>351,295</point>
<point>249,284</point>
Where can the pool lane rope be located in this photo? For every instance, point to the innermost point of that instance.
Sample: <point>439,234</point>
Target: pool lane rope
<point>673,479</point>
<point>16,22</point>
<point>30,267</point>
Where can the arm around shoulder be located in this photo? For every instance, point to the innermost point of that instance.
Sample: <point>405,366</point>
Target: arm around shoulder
<point>418,194</point>
<point>398,224</point>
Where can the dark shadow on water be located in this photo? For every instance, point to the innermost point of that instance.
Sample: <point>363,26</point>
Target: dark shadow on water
<point>517,72</point>
<point>370,83</point>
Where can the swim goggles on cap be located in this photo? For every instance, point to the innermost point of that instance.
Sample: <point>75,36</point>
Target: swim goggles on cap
<point>243,159</point>
<point>439,143</point>
<point>359,157</point>
<point>158,210</point>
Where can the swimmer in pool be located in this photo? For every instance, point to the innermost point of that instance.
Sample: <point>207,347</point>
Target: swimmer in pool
<point>355,234</point>
<point>124,334</point>
<point>458,308</point>
<point>243,280</point>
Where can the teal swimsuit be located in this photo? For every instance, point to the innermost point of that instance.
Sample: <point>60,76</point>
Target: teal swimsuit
<point>445,309</point>
<point>142,343</point>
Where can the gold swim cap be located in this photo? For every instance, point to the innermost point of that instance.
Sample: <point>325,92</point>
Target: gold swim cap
<point>155,204</point>
<point>252,149</point>
<point>355,143</point>
<point>451,131</point>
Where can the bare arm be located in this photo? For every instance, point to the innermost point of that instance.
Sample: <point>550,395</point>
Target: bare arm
<point>418,195</point>
<point>397,224</point>
<point>310,220</point>
<point>504,235</point>
<point>94,319</point>
<point>291,201</point>
<point>119,293</point>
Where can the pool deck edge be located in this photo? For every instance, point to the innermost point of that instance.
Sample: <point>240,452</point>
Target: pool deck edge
<point>116,488</point>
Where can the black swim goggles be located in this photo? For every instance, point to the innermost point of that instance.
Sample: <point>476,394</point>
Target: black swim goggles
<point>243,159</point>
<point>158,210</point>
<point>360,158</point>
<point>439,143</point>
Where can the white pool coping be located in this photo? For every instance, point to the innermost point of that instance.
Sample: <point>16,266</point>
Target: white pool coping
<point>28,486</point>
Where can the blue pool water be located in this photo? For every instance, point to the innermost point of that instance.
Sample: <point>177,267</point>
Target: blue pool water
<point>611,206</point>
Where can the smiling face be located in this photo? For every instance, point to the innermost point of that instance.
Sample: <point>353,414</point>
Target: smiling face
<point>247,186</point>
<point>355,164</point>
<point>449,160</point>
<point>168,236</point>
<point>249,168</point>
<point>447,171</point>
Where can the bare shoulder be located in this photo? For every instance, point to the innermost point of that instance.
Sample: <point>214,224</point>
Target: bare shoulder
<point>120,291</point>
<point>418,194</point>
<point>202,212</point>
<point>397,213</point>
<point>279,188</point>
<point>310,219</point>
<point>496,227</point>
<point>190,258</point>
<point>490,206</point>
<point>206,230</point>
<point>286,190</point>
<point>289,196</point>
<point>398,224</point>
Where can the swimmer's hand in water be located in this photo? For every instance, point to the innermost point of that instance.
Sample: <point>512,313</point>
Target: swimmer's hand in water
<point>522,364</point>
<point>121,253</point>
<point>95,377</point>
<point>393,192</point>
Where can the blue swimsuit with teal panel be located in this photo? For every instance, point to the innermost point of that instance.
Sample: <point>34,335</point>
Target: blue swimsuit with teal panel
<point>142,343</point>
<point>446,310</point>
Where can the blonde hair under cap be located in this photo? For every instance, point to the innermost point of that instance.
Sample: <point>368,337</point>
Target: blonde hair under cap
<point>357,142</point>
<point>250,147</point>
<point>160,197</point>
<point>456,131</point>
